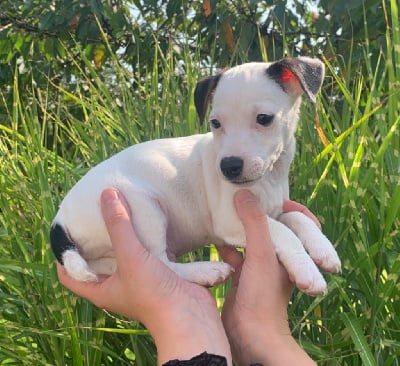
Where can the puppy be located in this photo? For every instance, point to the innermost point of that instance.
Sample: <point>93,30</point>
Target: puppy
<point>181,189</point>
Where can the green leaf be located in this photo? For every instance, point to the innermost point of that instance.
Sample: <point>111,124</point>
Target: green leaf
<point>393,209</point>
<point>46,21</point>
<point>360,342</point>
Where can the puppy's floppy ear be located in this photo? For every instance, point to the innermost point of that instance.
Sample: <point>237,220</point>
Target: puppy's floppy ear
<point>202,94</point>
<point>298,75</point>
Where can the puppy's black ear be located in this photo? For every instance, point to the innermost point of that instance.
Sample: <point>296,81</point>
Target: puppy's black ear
<point>298,75</point>
<point>202,94</point>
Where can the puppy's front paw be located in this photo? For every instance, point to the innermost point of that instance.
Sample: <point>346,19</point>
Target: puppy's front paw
<point>322,252</point>
<point>328,262</point>
<point>77,267</point>
<point>314,241</point>
<point>308,279</point>
<point>304,273</point>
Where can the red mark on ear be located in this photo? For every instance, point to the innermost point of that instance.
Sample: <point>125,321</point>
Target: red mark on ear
<point>287,75</point>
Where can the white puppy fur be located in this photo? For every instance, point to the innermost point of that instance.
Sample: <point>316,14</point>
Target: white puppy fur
<point>181,189</point>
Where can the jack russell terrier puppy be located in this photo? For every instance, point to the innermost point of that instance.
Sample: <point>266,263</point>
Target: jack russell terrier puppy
<point>181,189</point>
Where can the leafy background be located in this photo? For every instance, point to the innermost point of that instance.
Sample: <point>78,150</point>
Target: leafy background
<point>81,80</point>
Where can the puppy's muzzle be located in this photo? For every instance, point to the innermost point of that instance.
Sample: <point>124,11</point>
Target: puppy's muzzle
<point>231,167</point>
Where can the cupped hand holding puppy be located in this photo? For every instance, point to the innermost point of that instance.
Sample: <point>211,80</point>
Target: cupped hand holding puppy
<point>255,311</point>
<point>182,316</point>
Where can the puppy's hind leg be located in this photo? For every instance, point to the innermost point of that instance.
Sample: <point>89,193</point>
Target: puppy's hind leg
<point>150,224</point>
<point>203,273</point>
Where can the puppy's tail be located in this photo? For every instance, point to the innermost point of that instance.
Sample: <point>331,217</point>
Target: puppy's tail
<point>60,241</point>
<point>67,254</point>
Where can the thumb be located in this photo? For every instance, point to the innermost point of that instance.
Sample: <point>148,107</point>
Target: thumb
<point>248,207</point>
<point>114,208</point>
<point>254,220</point>
<point>116,215</point>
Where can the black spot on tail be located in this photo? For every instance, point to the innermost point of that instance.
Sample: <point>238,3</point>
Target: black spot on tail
<point>60,241</point>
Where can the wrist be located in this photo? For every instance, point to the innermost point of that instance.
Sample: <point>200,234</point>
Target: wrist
<point>268,346</point>
<point>184,331</point>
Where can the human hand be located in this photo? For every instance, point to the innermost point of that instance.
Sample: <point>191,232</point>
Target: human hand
<point>181,316</point>
<point>255,311</point>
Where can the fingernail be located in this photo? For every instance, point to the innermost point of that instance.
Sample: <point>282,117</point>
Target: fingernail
<point>110,195</point>
<point>245,195</point>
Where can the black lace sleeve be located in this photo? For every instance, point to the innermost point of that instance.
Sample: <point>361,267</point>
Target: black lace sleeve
<point>204,359</point>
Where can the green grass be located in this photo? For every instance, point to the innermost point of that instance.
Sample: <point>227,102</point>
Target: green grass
<point>51,137</point>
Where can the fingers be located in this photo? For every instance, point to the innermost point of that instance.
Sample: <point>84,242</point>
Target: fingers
<point>289,206</point>
<point>116,215</point>
<point>255,225</point>
<point>88,290</point>
<point>231,256</point>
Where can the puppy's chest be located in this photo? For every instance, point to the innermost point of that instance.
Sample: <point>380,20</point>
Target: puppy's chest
<point>227,226</point>
<point>272,193</point>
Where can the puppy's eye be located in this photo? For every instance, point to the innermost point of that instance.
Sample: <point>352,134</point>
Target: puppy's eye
<point>215,123</point>
<point>265,119</point>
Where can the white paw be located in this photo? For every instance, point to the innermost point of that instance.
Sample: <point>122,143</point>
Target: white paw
<point>314,241</point>
<point>103,265</point>
<point>305,274</point>
<point>203,273</point>
<point>77,267</point>
<point>322,251</point>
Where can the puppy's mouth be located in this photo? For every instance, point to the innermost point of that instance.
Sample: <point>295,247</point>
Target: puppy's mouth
<point>252,177</point>
<point>233,168</point>
<point>245,182</point>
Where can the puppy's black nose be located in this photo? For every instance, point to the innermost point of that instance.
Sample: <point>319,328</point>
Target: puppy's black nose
<point>231,167</point>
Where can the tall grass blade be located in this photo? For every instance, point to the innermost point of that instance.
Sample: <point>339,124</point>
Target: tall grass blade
<point>359,339</point>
